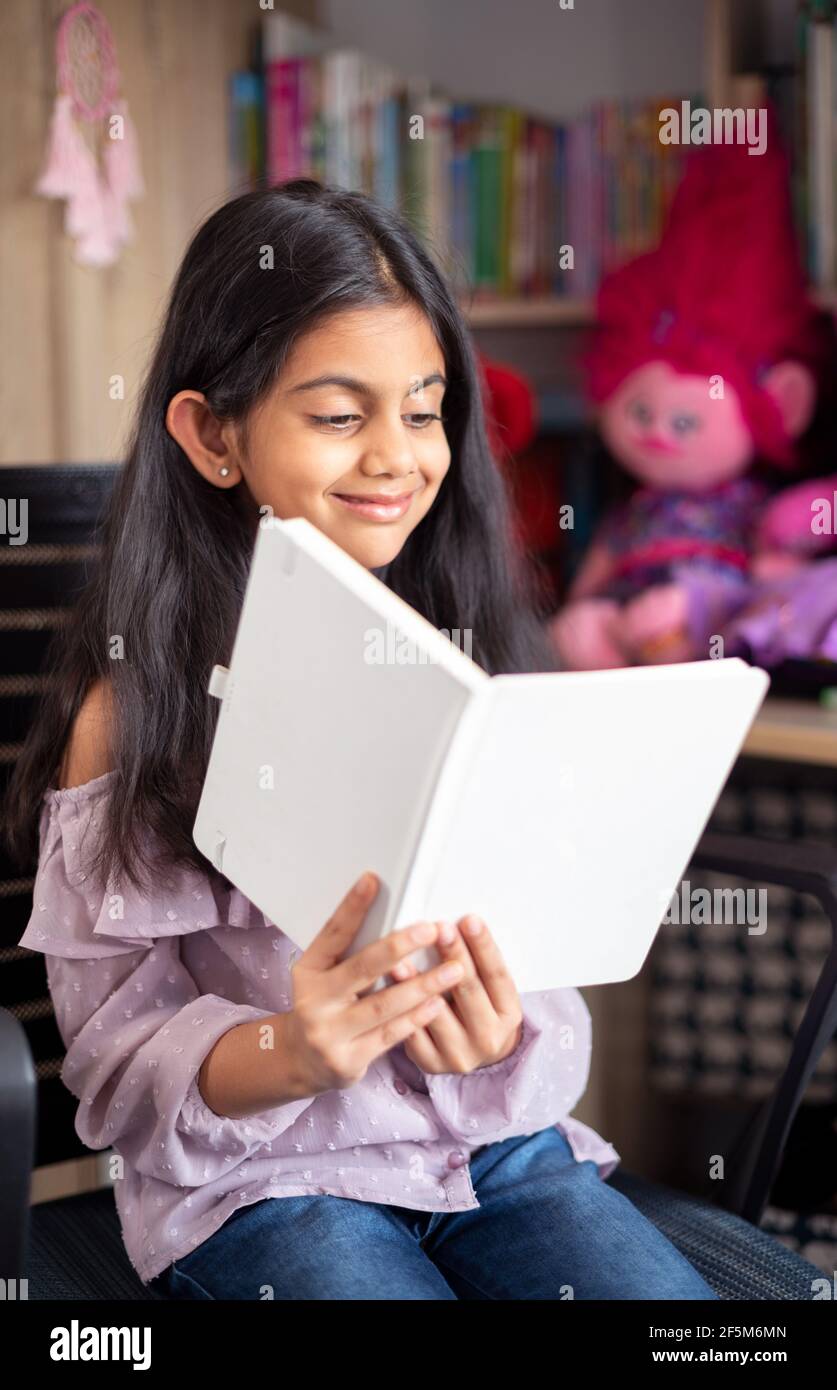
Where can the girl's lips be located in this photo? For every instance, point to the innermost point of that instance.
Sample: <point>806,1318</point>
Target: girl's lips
<point>376,508</point>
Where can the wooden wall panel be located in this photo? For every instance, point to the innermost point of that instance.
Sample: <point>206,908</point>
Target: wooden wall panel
<point>65,329</point>
<point>27,366</point>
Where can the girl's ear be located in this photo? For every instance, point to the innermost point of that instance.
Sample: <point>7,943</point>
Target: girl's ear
<point>791,385</point>
<point>205,440</point>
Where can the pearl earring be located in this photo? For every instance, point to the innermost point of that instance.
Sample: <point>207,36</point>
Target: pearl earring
<point>225,472</point>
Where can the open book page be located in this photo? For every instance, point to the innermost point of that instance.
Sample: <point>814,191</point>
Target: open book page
<point>329,742</point>
<point>583,798</point>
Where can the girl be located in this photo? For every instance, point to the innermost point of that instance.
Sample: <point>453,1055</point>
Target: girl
<point>313,362</point>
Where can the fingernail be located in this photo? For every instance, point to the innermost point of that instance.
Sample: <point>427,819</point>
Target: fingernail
<point>451,973</point>
<point>447,933</point>
<point>424,933</point>
<point>473,926</point>
<point>365,883</point>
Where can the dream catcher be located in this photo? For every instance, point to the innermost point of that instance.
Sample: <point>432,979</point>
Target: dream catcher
<point>93,158</point>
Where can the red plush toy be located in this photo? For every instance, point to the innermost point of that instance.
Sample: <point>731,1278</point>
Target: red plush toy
<point>510,409</point>
<point>511,424</point>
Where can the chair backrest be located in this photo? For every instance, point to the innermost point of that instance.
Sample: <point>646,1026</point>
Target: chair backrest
<point>43,566</point>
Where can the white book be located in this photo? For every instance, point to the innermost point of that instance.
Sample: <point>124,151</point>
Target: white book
<point>285,36</point>
<point>342,75</point>
<point>562,808</point>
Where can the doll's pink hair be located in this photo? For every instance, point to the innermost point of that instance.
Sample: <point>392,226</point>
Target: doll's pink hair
<point>723,294</point>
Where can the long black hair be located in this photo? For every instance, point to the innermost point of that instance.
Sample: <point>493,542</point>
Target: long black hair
<point>176,550</point>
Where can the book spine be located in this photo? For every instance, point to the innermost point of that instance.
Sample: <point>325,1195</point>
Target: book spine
<point>562,277</point>
<point>415,181</point>
<point>462,119</point>
<point>318,153</point>
<point>246,130</point>
<point>486,158</point>
<point>528,215</point>
<point>284,135</point>
<point>517,247</point>
<point>438,135</point>
<point>387,164</point>
<point>430,843</point>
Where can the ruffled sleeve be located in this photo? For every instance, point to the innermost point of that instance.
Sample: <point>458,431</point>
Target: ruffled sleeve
<point>537,1085</point>
<point>72,916</point>
<point>134,1022</point>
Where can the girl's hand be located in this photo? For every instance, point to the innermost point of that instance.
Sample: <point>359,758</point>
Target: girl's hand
<point>483,1021</point>
<point>335,1030</point>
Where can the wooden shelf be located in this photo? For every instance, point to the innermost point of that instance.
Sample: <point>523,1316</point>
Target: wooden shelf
<point>527,313</point>
<point>557,312</point>
<point>797,731</point>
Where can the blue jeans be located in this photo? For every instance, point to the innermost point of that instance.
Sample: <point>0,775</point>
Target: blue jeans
<point>547,1227</point>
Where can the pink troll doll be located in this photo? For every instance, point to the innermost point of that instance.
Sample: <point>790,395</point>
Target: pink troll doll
<point>704,364</point>
<point>800,524</point>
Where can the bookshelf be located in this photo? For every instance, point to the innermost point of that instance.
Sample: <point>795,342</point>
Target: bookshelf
<point>735,53</point>
<point>546,312</point>
<point>558,312</point>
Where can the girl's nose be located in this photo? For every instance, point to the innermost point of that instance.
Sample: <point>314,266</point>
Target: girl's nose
<point>390,449</point>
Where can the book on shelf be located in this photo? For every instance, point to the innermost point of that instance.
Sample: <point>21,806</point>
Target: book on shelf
<point>803,93</point>
<point>510,203</point>
<point>246,127</point>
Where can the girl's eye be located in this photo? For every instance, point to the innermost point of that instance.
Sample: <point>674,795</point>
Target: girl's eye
<point>684,424</point>
<point>338,423</point>
<point>420,422</point>
<point>640,412</point>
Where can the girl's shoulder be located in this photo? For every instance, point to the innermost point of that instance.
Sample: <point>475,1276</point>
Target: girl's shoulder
<point>75,913</point>
<point>87,756</point>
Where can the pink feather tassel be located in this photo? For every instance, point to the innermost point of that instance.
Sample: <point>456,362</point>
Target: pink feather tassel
<point>69,161</point>
<point>122,160</point>
<point>97,215</point>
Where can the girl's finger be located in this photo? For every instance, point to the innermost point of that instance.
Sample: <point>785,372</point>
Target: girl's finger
<point>422,1050</point>
<point>361,971</point>
<point>377,1009</point>
<point>450,1039</point>
<point>442,1043</point>
<point>470,998</point>
<point>396,1030</point>
<point>343,925</point>
<point>498,984</point>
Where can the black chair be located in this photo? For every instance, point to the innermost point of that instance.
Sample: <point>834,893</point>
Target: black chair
<point>72,1248</point>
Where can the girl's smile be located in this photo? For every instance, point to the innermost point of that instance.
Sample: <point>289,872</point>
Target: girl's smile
<point>377,506</point>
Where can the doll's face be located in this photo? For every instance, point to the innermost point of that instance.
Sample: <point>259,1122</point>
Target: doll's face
<point>669,432</point>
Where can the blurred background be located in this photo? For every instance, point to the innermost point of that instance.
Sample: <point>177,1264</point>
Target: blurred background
<point>522,141</point>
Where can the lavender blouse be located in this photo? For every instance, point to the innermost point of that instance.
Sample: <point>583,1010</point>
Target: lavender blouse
<point>144,987</point>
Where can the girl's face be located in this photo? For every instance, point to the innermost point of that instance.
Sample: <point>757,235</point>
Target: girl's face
<point>351,436</point>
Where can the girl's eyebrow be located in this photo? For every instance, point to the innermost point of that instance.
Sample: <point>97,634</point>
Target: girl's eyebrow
<point>360,388</point>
